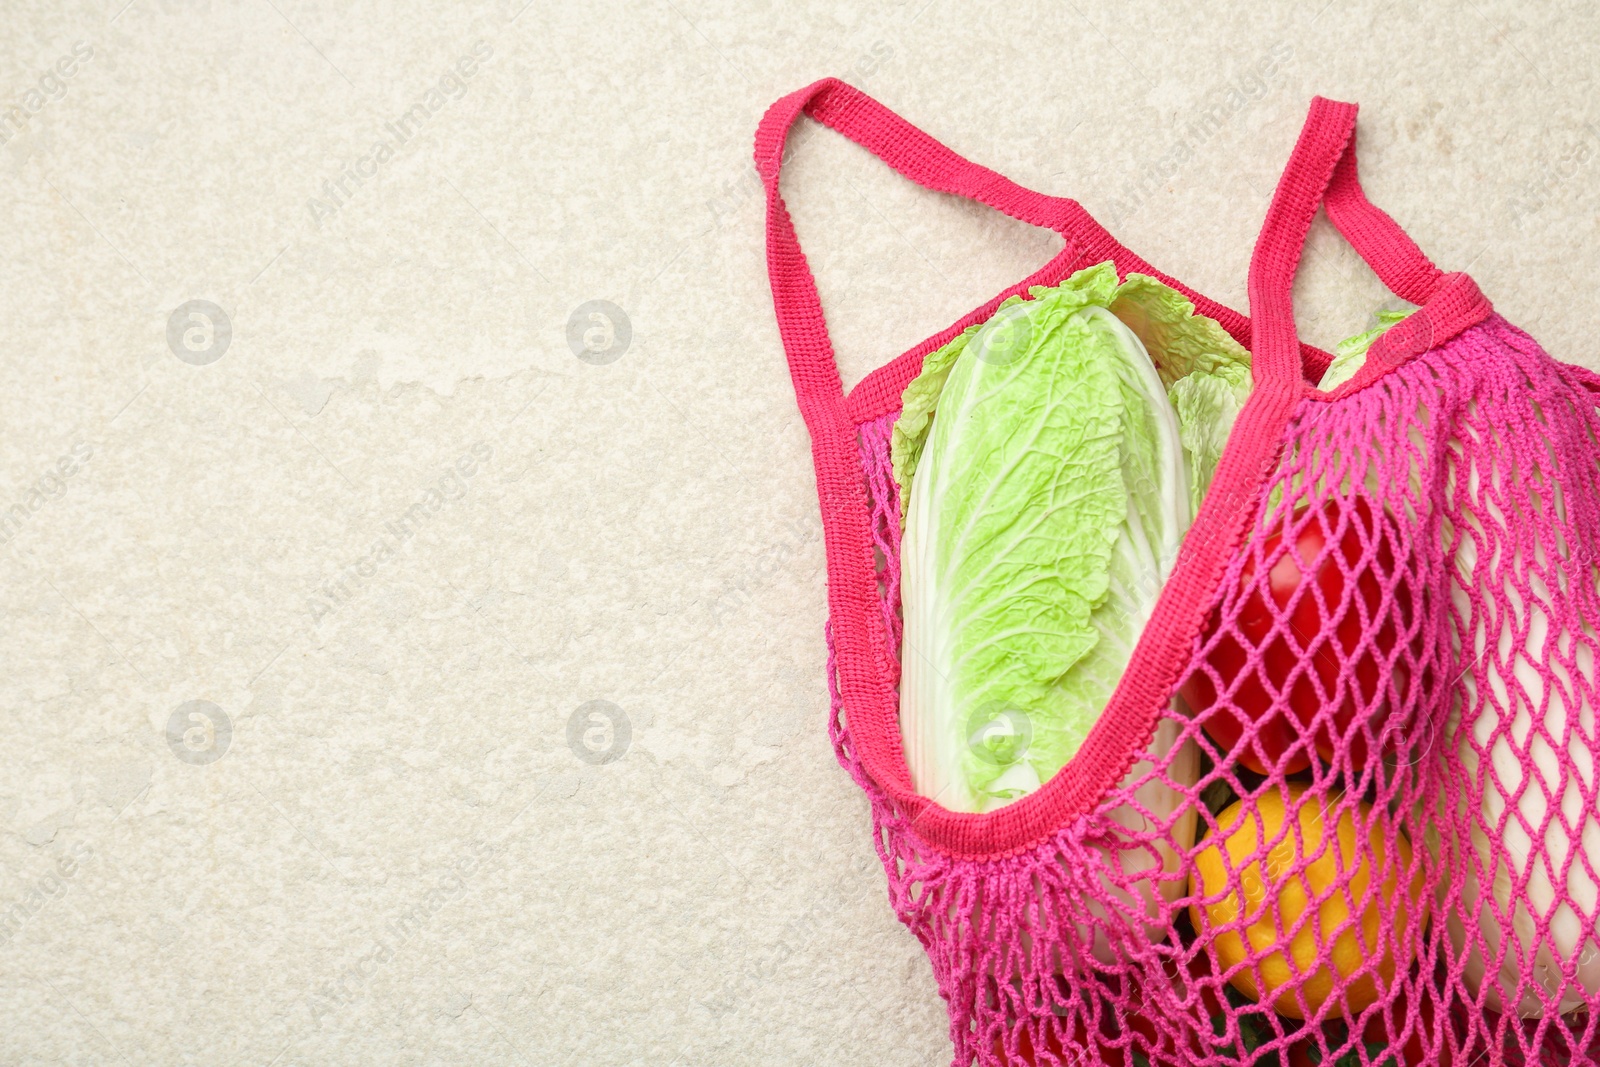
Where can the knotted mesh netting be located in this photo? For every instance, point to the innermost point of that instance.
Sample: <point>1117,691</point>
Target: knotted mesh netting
<point>1366,829</point>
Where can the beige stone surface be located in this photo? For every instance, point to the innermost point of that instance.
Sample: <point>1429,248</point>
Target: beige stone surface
<point>396,535</point>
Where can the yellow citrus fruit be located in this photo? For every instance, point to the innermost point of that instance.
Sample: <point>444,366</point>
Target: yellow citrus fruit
<point>1273,892</point>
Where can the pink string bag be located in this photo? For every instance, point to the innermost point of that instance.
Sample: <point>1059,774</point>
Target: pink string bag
<point>1379,635</point>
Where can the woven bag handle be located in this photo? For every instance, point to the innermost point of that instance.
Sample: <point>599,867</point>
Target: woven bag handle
<point>1389,251</point>
<point>905,148</point>
<point>1322,172</point>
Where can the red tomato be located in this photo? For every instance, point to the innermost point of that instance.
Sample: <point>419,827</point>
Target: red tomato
<point>1080,1051</point>
<point>1300,1055</point>
<point>1204,995</point>
<point>1413,1054</point>
<point>1302,634</point>
<point>1512,1043</point>
<point>1275,732</point>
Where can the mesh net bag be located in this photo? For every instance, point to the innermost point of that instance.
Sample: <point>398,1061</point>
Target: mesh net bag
<point>1341,807</point>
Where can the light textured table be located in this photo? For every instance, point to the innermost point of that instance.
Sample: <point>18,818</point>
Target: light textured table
<point>396,535</point>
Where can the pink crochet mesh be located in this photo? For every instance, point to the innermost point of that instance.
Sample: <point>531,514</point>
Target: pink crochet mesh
<point>1342,807</point>
<point>1450,732</point>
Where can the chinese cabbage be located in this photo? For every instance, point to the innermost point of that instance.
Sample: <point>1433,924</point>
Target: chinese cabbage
<point>1052,468</point>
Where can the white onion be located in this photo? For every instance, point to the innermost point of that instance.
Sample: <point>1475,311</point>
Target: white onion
<point>1516,690</point>
<point>1175,804</point>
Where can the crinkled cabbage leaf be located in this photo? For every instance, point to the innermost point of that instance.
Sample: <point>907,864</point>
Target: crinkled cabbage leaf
<point>1048,471</point>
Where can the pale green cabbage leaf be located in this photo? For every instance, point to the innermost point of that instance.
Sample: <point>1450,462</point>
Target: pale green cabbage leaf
<point>1350,354</point>
<point>1049,489</point>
